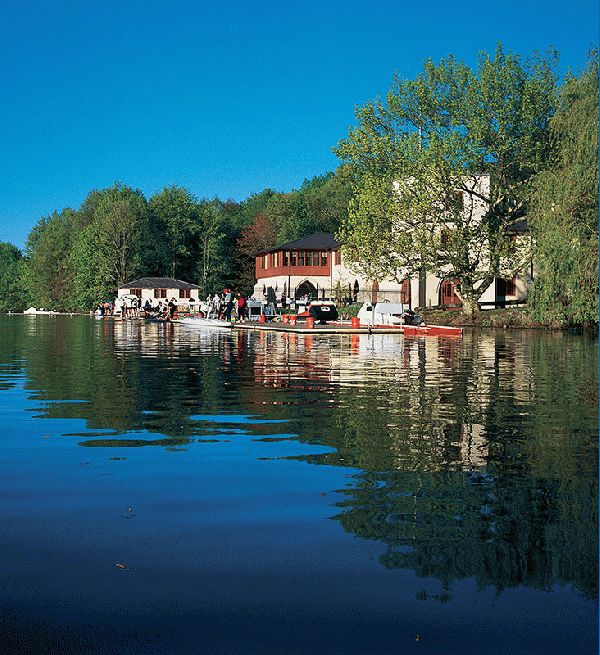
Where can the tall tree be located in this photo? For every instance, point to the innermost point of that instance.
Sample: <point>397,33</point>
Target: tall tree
<point>48,277</point>
<point>213,262</point>
<point>565,209</point>
<point>258,235</point>
<point>327,198</point>
<point>433,137</point>
<point>110,249</point>
<point>13,296</point>
<point>176,223</point>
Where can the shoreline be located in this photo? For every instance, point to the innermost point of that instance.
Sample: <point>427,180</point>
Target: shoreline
<point>513,318</point>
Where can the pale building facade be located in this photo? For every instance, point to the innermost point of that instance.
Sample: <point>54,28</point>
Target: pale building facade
<point>283,272</point>
<point>161,289</point>
<point>314,266</point>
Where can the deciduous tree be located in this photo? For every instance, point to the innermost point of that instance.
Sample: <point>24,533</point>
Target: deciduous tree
<point>435,136</point>
<point>565,209</point>
<point>13,296</point>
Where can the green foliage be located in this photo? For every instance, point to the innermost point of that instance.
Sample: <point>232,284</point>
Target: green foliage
<point>216,255</point>
<point>110,249</point>
<point>13,296</point>
<point>320,205</point>
<point>48,276</point>
<point>565,209</point>
<point>176,226</point>
<point>433,136</point>
<point>77,258</point>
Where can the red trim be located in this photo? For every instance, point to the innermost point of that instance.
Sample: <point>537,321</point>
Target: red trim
<point>302,271</point>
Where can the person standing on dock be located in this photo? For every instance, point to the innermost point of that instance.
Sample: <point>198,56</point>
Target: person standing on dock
<point>214,307</point>
<point>172,308</point>
<point>228,300</point>
<point>241,307</point>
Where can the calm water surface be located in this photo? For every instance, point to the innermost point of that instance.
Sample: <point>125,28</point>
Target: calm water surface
<point>174,491</point>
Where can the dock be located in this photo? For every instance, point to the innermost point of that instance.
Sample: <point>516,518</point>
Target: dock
<point>346,328</point>
<point>329,328</point>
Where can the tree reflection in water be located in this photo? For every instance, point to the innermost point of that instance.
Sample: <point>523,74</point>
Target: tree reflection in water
<point>472,458</point>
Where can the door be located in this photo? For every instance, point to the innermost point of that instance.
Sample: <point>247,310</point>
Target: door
<point>448,297</point>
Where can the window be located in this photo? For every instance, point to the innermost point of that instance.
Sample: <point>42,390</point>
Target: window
<point>286,258</point>
<point>338,258</point>
<point>160,293</point>
<point>323,259</point>
<point>309,258</point>
<point>293,258</point>
<point>264,262</point>
<point>136,292</point>
<point>460,200</point>
<point>405,292</point>
<point>300,259</point>
<point>455,201</point>
<point>511,287</point>
<point>184,293</point>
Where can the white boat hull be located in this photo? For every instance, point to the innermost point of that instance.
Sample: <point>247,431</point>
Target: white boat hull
<point>202,323</point>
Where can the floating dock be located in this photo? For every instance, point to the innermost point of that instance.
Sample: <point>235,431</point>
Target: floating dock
<point>347,328</point>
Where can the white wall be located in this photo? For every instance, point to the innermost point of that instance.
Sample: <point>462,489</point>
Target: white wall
<point>148,294</point>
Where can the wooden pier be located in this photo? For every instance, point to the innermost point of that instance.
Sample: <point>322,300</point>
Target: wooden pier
<point>329,328</point>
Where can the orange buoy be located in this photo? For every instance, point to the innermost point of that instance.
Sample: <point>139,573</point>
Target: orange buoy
<point>355,322</point>
<point>310,322</point>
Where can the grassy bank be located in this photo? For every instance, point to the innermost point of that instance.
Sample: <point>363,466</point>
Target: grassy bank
<point>515,317</point>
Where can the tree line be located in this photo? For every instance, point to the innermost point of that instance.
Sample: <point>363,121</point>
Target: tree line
<point>393,201</point>
<point>77,257</point>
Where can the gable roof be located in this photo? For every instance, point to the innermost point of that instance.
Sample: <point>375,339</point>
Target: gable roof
<point>157,283</point>
<point>316,241</point>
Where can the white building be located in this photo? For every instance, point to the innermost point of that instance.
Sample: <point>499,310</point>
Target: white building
<point>314,266</point>
<point>161,288</point>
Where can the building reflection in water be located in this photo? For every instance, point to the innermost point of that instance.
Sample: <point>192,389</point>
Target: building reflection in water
<point>471,457</point>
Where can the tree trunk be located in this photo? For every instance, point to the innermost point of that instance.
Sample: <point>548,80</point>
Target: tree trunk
<point>470,306</point>
<point>469,297</point>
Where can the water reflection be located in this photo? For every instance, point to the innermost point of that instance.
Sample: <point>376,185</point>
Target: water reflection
<point>472,458</point>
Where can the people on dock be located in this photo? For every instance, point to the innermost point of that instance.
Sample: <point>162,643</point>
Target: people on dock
<point>228,304</point>
<point>172,308</point>
<point>215,306</point>
<point>242,307</point>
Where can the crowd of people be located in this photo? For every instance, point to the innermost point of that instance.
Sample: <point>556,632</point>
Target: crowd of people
<point>222,306</point>
<point>218,306</point>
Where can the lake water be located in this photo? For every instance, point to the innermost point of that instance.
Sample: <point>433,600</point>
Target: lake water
<point>165,490</point>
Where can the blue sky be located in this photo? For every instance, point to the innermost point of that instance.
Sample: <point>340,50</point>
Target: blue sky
<point>225,98</point>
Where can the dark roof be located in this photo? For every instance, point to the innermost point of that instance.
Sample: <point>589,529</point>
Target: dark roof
<point>520,226</point>
<point>317,241</point>
<point>157,283</point>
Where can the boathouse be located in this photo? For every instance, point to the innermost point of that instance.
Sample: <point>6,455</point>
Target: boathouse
<point>313,267</point>
<point>161,288</point>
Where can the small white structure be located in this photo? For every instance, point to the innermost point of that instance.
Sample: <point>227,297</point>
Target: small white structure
<point>383,313</point>
<point>34,311</point>
<point>161,289</point>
